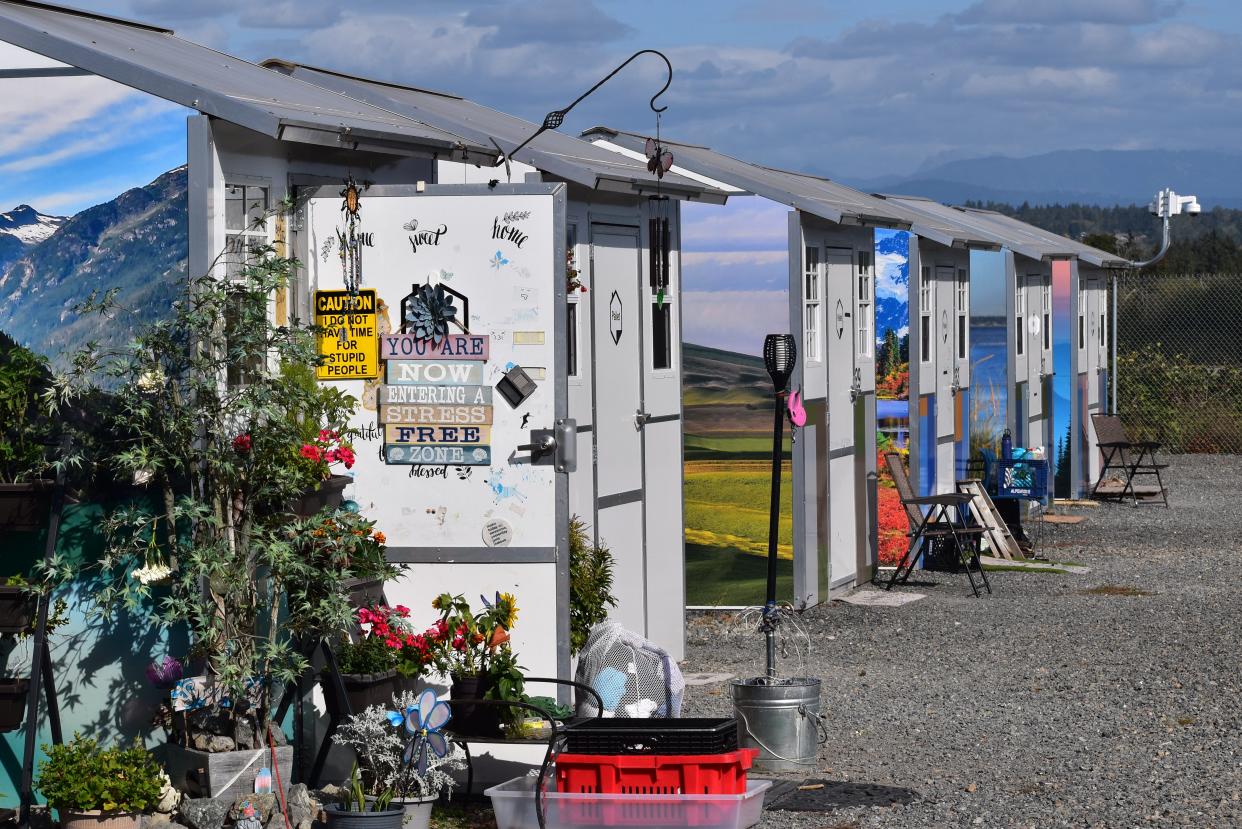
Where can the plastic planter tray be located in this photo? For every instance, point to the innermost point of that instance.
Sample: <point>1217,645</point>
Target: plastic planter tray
<point>655,773</point>
<point>682,736</point>
<point>514,805</point>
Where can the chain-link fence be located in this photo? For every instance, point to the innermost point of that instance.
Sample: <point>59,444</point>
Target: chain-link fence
<point>1179,355</point>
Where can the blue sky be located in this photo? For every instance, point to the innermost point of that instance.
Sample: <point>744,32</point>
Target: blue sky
<point>833,87</point>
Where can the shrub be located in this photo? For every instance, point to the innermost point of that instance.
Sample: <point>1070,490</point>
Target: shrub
<point>81,776</point>
<point>590,584</point>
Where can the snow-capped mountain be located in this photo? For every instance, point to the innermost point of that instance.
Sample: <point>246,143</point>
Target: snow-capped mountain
<point>21,229</point>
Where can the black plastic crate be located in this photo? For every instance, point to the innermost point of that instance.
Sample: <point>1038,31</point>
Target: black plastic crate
<point>687,735</point>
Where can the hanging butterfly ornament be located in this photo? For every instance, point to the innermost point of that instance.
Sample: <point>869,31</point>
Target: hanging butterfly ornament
<point>659,160</point>
<point>424,724</point>
<point>349,241</point>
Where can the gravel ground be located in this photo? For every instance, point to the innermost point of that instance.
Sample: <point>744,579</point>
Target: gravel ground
<point>1043,704</point>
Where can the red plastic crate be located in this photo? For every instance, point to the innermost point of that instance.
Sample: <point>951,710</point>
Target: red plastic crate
<point>654,773</point>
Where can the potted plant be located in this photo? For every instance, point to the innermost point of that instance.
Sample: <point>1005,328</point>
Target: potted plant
<point>473,650</point>
<point>205,405</point>
<point>318,447</point>
<point>387,656</point>
<point>99,788</point>
<point>379,737</point>
<point>25,431</point>
<point>18,604</point>
<point>356,810</point>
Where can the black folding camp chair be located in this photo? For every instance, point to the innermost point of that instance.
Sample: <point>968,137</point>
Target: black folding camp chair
<point>943,524</point>
<point>1131,459</point>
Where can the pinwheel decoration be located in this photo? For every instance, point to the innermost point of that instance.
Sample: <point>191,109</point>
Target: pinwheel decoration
<point>423,725</point>
<point>659,160</point>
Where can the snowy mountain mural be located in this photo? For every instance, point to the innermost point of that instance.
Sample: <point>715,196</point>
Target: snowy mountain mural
<point>21,229</point>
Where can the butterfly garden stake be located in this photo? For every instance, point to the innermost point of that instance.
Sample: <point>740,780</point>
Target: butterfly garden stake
<point>424,724</point>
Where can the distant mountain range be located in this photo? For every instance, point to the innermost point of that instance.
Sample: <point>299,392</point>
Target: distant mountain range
<point>1099,177</point>
<point>137,242</point>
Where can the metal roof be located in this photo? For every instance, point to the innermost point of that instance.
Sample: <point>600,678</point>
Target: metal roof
<point>1043,244</point>
<point>560,155</point>
<point>812,194</point>
<point>154,60</point>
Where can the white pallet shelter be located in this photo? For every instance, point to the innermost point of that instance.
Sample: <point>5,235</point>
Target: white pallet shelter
<point>831,278</point>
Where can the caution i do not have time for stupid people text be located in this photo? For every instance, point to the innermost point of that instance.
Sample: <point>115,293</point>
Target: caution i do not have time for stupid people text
<point>348,341</point>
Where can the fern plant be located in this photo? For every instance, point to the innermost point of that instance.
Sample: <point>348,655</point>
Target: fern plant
<point>590,584</point>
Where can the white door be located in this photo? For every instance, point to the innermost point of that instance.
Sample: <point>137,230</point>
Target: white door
<point>440,464</point>
<point>617,329</point>
<point>842,490</point>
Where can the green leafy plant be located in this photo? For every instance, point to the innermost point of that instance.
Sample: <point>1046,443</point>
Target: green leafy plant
<point>209,407</point>
<point>354,795</point>
<point>24,428</point>
<point>590,584</point>
<point>80,776</point>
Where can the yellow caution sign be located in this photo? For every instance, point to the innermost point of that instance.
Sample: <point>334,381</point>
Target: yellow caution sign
<point>349,342</point>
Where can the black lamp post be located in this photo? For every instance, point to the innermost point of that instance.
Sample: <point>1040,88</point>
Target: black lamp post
<point>780,355</point>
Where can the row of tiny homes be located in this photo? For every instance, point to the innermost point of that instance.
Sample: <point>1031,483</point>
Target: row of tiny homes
<point>562,397</point>
<point>1054,380</point>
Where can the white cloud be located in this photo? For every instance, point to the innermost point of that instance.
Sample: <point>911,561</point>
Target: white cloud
<point>734,320</point>
<point>745,223</point>
<point>888,271</point>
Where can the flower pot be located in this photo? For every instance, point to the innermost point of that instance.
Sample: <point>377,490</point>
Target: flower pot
<point>12,703</point>
<point>390,818</point>
<point>365,690</point>
<point>473,720</point>
<point>328,495</point>
<point>25,507</point>
<point>417,810</point>
<point>226,775</point>
<point>95,819</point>
<point>17,610</point>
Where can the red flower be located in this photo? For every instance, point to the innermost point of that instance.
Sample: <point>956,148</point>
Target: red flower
<point>312,452</point>
<point>346,456</point>
<point>402,610</point>
<point>326,435</point>
<point>241,444</point>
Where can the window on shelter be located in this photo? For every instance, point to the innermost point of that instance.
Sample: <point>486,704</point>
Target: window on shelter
<point>811,304</point>
<point>661,335</point>
<point>962,301</point>
<point>1019,316</point>
<point>246,241</point>
<point>571,310</point>
<point>862,311</point>
<point>925,315</point>
<point>1046,303</point>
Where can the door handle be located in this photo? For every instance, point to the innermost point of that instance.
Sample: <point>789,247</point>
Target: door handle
<point>557,446</point>
<point>641,419</point>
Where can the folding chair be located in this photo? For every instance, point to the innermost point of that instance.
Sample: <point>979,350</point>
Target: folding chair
<point>1133,459</point>
<point>937,526</point>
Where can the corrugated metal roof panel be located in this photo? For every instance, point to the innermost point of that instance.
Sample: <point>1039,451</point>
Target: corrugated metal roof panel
<point>815,195</point>
<point>563,156</point>
<point>155,61</point>
<point>1044,243</point>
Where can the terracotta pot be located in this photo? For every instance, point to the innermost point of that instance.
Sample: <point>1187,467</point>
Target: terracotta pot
<point>365,690</point>
<point>17,610</point>
<point>25,507</point>
<point>328,495</point>
<point>473,720</point>
<point>94,819</point>
<point>13,703</point>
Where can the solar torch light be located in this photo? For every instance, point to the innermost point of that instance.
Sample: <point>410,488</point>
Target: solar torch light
<point>780,355</point>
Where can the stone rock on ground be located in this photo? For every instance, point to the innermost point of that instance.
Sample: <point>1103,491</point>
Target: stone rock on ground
<point>203,812</point>
<point>213,743</point>
<point>303,809</point>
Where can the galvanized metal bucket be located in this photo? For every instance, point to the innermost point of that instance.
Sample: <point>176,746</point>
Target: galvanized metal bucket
<point>781,718</point>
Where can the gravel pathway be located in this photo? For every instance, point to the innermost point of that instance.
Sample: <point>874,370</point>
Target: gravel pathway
<point>1044,704</point>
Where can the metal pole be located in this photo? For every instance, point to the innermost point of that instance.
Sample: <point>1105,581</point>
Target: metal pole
<point>774,519</point>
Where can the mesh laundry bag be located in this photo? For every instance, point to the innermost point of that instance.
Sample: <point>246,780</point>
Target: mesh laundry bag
<point>634,677</point>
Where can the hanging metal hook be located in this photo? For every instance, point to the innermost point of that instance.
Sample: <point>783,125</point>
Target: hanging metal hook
<point>557,116</point>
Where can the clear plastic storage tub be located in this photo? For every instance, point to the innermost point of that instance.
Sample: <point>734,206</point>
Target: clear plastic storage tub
<point>514,804</point>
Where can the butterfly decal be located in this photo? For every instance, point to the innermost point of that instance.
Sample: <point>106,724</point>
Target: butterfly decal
<point>499,261</point>
<point>659,160</point>
<point>423,723</point>
<point>797,414</point>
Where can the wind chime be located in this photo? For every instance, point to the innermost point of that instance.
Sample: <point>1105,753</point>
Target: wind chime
<point>659,161</point>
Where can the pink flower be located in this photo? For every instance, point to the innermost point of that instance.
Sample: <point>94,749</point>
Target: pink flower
<point>241,444</point>
<point>346,456</point>
<point>326,435</point>
<point>312,452</point>
<point>330,456</point>
<point>402,610</point>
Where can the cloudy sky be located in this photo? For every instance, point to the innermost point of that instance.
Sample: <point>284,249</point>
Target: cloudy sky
<point>835,87</point>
